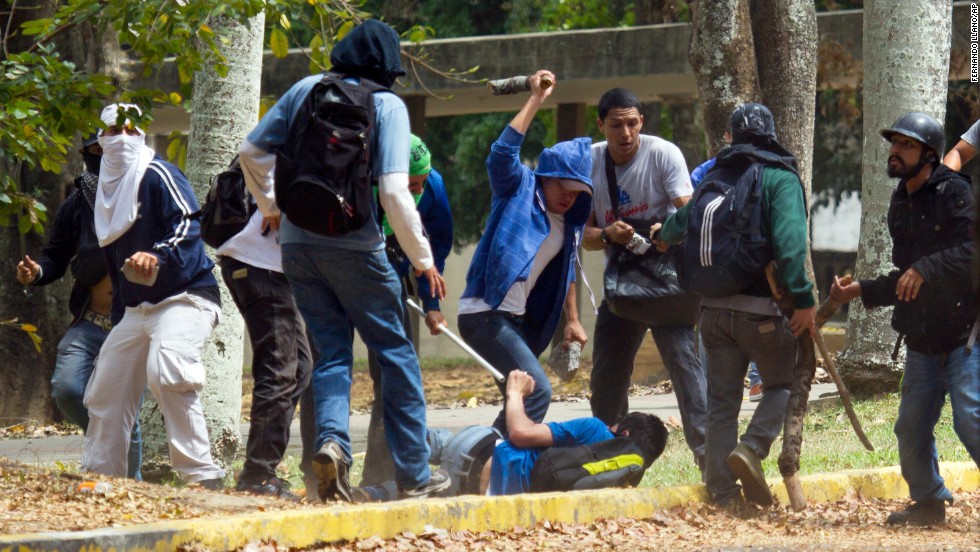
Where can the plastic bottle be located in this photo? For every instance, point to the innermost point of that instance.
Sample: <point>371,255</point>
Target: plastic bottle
<point>97,487</point>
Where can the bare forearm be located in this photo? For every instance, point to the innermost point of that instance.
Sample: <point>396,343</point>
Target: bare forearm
<point>517,421</point>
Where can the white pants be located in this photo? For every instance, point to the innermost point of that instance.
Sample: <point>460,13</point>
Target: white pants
<point>160,346</point>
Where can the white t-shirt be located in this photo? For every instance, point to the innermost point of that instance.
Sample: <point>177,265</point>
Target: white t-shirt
<point>251,247</point>
<point>972,136</point>
<point>648,183</point>
<point>516,299</point>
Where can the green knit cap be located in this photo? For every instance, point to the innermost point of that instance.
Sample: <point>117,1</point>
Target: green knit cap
<point>419,161</point>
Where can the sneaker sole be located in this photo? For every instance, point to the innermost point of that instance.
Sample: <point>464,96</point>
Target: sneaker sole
<point>754,485</point>
<point>329,472</point>
<point>427,490</point>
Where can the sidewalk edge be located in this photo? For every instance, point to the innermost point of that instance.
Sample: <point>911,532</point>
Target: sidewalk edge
<point>303,528</point>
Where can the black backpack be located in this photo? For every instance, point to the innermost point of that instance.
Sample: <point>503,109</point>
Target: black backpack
<point>727,245</point>
<point>616,462</point>
<point>227,207</point>
<point>323,174</point>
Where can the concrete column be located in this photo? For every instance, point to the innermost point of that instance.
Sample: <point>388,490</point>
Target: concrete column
<point>571,121</point>
<point>570,124</point>
<point>416,114</point>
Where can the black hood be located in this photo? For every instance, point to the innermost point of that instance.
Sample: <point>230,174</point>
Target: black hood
<point>772,154</point>
<point>372,51</point>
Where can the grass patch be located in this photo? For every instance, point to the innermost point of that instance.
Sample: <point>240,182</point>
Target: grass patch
<point>829,443</point>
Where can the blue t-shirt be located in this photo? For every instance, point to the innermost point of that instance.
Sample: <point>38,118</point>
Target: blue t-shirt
<point>510,472</point>
<point>390,146</point>
<point>699,172</point>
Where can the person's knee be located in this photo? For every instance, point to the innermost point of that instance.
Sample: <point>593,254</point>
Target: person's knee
<point>63,392</point>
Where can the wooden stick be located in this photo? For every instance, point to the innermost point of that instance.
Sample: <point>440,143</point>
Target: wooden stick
<point>515,85</point>
<point>803,372</point>
<point>845,396</point>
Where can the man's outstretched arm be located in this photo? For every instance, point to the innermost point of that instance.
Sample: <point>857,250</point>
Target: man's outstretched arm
<point>522,431</point>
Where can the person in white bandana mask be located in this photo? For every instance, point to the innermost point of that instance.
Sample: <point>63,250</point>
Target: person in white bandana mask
<point>165,304</point>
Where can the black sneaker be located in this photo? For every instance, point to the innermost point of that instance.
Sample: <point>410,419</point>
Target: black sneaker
<point>923,512</point>
<point>438,481</point>
<point>747,466</point>
<point>273,486</point>
<point>216,484</point>
<point>331,469</point>
<point>370,493</point>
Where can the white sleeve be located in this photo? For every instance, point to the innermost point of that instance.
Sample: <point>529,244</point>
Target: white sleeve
<point>258,166</point>
<point>404,219</point>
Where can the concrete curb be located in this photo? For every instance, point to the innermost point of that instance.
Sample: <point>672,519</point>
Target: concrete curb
<point>303,528</point>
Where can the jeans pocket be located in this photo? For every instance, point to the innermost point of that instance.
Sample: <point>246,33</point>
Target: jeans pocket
<point>180,366</point>
<point>208,307</point>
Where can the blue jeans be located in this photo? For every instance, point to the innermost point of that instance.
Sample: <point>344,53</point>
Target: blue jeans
<point>617,341</point>
<point>501,339</point>
<point>928,378</point>
<point>731,340</point>
<point>73,367</point>
<point>338,291</point>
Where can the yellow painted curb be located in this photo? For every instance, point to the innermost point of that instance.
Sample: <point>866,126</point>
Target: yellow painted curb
<point>302,528</point>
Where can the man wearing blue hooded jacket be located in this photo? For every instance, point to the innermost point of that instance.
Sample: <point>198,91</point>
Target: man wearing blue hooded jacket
<point>523,271</point>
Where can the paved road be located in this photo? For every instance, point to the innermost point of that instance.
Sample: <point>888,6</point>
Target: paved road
<point>68,449</point>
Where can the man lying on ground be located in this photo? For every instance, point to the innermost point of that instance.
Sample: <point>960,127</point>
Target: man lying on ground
<point>509,469</point>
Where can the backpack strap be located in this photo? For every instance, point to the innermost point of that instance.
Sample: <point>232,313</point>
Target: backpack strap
<point>362,81</point>
<point>611,185</point>
<point>754,196</point>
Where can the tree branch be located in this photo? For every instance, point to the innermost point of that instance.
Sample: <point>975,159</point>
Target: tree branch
<point>65,27</point>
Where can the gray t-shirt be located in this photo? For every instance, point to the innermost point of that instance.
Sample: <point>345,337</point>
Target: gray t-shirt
<point>972,136</point>
<point>648,183</point>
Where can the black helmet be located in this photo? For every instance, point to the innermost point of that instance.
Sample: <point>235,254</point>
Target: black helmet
<point>92,139</point>
<point>921,127</point>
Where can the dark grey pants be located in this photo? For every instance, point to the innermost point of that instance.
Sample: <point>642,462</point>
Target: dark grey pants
<point>732,339</point>
<point>617,341</point>
<point>281,362</point>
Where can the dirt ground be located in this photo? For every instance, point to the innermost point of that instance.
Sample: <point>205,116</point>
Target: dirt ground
<point>38,499</point>
<point>851,524</point>
<point>33,499</point>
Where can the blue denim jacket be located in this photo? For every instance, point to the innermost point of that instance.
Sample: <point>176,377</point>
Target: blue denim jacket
<point>518,225</point>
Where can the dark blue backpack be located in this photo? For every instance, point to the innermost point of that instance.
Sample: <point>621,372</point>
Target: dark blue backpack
<point>727,244</point>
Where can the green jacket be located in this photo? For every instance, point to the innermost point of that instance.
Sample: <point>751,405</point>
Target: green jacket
<point>785,211</point>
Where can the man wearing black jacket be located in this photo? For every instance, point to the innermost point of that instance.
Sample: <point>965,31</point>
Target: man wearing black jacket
<point>73,242</point>
<point>930,220</point>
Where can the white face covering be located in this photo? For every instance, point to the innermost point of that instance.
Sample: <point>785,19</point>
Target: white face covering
<point>124,161</point>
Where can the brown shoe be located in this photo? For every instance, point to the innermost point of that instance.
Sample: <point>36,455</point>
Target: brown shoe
<point>331,469</point>
<point>747,466</point>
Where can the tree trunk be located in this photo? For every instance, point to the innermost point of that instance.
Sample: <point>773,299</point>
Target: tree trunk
<point>785,34</point>
<point>225,110</point>
<point>906,66</point>
<point>685,121</point>
<point>25,374</point>
<point>723,59</point>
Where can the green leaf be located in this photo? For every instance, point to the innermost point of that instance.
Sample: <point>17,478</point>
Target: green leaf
<point>173,150</point>
<point>24,225</point>
<point>279,43</point>
<point>37,341</point>
<point>344,29</point>
<point>284,21</point>
<point>4,198</point>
